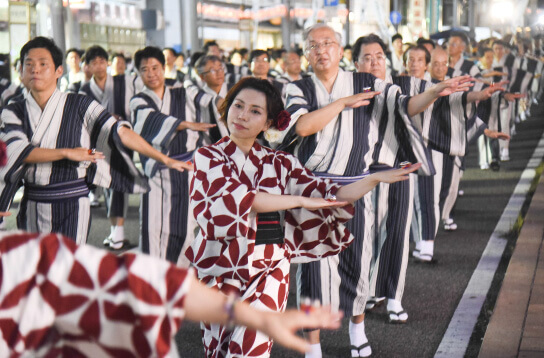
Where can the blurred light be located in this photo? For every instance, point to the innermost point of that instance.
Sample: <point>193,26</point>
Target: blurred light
<point>541,19</point>
<point>502,9</point>
<point>527,29</point>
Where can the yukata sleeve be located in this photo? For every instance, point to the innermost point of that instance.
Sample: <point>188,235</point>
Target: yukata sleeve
<point>221,205</point>
<point>157,128</point>
<point>117,170</point>
<point>313,234</point>
<point>18,147</point>
<point>203,109</point>
<point>449,125</point>
<point>402,135</point>
<point>129,305</point>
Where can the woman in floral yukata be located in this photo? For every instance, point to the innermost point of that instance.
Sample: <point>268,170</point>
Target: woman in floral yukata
<point>259,210</point>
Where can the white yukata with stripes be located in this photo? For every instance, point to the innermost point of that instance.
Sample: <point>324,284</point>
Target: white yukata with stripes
<point>346,147</point>
<point>166,223</point>
<point>115,97</point>
<point>67,121</point>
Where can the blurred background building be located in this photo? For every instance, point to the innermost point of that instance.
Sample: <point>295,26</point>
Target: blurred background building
<point>126,25</point>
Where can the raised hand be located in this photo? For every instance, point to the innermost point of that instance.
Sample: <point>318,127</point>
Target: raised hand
<point>195,126</point>
<point>395,175</point>
<point>455,84</point>
<point>281,327</point>
<point>496,134</point>
<point>510,97</point>
<point>359,99</point>
<point>82,154</point>
<point>178,165</point>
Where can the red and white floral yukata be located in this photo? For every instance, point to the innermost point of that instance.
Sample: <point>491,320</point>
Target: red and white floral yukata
<point>62,300</point>
<point>224,253</point>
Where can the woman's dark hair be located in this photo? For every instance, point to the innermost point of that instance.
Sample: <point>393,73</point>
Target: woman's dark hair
<point>148,52</point>
<point>417,48</point>
<point>46,43</point>
<point>93,52</point>
<point>366,40</point>
<point>274,103</point>
<point>257,53</point>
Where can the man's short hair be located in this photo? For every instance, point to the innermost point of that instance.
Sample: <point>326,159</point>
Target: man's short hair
<point>417,48</point>
<point>277,54</point>
<point>203,61</point>
<point>395,37</point>
<point>500,42</point>
<point>209,44</point>
<point>46,43</point>
<point>172,51</point>
<point>482,50</point>
<point>146,53</point>
<point>366,40</point>
<point>93,52</point>
<point>257,53</point>
<point>320,25</point>
<point>73,49</point>
<point>118,54</point>
<point>460,34</point>
<point>423,41</point>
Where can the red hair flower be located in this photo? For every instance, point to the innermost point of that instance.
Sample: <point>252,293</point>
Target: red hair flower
<point>282,122</point>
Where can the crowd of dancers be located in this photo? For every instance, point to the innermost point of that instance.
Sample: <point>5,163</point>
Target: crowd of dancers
<point>330,157</point>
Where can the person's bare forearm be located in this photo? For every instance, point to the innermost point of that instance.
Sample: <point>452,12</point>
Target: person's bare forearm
<point>313,122</point>
<point>422,101</point>
<point>44,155</point>
<point>355,191</point>
<point>265,203</point>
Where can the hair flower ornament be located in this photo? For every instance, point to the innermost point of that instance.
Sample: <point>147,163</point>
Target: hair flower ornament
<point>282,122</point>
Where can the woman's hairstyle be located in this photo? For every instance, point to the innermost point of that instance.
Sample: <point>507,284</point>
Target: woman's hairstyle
<point>274,103</point>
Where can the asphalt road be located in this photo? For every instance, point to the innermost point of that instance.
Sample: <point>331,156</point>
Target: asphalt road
<point>432,291</point>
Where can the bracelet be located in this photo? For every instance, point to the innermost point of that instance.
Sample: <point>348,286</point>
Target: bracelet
<point>230,302</point>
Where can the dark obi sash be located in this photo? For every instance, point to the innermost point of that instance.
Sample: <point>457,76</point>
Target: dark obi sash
<point>269,229</point>
<point>56,193</point>
<point>183,157</point>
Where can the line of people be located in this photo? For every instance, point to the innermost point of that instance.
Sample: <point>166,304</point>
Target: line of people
<point>214,197</point>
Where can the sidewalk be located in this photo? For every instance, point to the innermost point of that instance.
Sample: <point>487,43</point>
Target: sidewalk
<point>516,328</point>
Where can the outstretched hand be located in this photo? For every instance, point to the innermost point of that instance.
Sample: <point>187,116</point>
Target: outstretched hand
<point>510,97</point>
<point>395,175</point>
<point>195,126</point>
<point>178,165</point>
<point>82,154</point>
<point>281,327</point>
<point>359,99</point>
<point>496,134</point>
<point>455,84</point>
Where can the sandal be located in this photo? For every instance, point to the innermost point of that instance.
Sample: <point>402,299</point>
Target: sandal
<point>373,303</point>
<point>356,350</point>
<point>397,320</point>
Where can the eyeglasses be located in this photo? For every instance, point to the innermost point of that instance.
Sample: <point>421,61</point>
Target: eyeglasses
<point>213,71</point>
<point>370,59</point>
<point>324,45</point>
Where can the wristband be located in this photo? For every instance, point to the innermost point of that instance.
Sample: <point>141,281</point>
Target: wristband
<point>228,307</point>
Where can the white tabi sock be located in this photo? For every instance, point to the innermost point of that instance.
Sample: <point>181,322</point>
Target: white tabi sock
<point>118,234</point>
<point>112,233</point>
<point>315,351</point>
<point>357,338</point>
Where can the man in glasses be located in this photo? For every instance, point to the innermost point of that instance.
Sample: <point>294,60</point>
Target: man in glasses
<point>343,122</point>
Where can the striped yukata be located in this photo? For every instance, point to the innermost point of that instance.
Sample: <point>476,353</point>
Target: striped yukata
<point>115,97</point>
<point>9,91</point>
<point>347,146</point>
<point>55,198</point>
<point>238,250</point>
<point>167,226</point>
